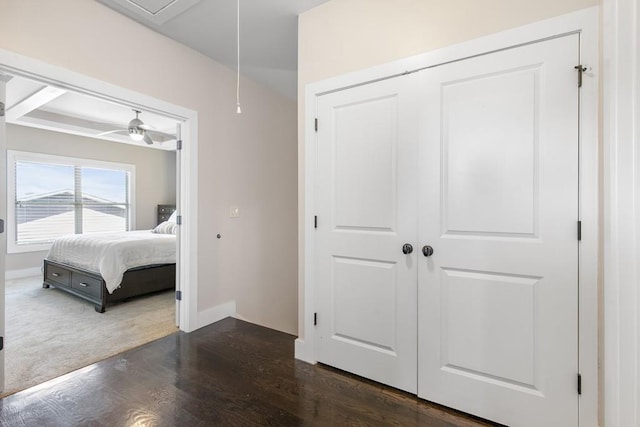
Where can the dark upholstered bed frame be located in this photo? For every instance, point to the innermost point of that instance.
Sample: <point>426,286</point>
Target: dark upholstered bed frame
<point>91,287</point>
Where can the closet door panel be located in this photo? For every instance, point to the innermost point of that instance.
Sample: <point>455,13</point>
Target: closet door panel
<point>498,298</point>
<point>366,211</point>
<point>489,151</point>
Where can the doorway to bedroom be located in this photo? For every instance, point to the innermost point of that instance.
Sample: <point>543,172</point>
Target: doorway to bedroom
<point>126,185</point>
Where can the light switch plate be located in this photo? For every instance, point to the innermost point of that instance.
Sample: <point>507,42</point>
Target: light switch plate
<point>234,212</point>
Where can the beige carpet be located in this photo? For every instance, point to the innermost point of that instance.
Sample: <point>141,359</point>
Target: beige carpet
<point>49,333</point>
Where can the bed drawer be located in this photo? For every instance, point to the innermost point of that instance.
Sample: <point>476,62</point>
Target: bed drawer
<point>58,275</point>
<point>86,284</point>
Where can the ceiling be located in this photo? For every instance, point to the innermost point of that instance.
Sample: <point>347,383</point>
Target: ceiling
<point>268,32</point>
<point>35,104</point>
<point>268,44</point>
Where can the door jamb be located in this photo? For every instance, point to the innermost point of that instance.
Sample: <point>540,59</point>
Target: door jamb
<point>19,65</point>
<point>584,22</point>
<point>621,207</point>
<point>4,79</point>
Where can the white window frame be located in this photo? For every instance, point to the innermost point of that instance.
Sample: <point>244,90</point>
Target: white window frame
<point>24,156</point>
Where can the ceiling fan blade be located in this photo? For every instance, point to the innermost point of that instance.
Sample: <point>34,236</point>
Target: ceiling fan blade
<point>143,126</point>
<point>147,138</point>
<point>121,131</point>
<point>161,135</point>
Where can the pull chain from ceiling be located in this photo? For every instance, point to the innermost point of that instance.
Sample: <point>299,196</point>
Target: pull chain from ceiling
<point>238,109</point>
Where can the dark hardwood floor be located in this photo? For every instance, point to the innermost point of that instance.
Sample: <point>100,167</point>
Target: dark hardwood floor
<point>232,373</point>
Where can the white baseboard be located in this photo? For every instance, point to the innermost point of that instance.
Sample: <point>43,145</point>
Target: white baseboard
<point>303,352</point>
<point>214,314</point>
<point>19,274</point>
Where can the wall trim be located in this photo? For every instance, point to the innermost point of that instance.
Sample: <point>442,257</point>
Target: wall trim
<point>21,274</point>
<point>3,214</point>
<point>19,65</point>
<point>621,108</point>
<point>584,22</point>
<point>304,352</point>
<point>217,313</point>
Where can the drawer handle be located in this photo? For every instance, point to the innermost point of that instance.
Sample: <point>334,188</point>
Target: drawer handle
<point>55,274</point>
<point>84,285</point>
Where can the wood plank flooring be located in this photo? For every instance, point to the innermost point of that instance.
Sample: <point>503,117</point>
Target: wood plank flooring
<point>232,373</point>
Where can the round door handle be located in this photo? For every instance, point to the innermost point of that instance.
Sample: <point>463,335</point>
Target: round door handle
<point>427,250</point>
<point>407,248</point>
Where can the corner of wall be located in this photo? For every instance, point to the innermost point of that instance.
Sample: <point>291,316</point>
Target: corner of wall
<point>215,314</point>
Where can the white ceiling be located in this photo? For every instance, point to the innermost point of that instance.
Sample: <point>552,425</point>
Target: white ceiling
<point>35,104</point>
<point>268,32</point>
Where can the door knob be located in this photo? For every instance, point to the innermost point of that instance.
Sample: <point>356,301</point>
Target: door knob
<point>427,250</point>
<point>407,248</point>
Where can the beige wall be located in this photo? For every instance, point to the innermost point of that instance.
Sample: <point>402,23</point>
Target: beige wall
<point>347,35</point>
<point>248,159</point>
<point>155,173</point>
<point>342,36</point>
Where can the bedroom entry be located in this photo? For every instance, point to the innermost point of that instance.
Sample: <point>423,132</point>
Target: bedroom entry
<point>446,248</point>
<point>22,68</point>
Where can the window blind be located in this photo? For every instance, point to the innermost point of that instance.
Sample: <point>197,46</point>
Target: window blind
<point>53,200</point>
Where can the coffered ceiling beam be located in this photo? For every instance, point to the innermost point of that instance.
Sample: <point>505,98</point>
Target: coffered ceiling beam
<point>34,101</point>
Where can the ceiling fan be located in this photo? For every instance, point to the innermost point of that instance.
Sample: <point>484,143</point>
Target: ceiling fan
<point>138,131</point>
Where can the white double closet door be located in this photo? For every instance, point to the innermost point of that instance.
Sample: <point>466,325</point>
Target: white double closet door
<point>477,159</point>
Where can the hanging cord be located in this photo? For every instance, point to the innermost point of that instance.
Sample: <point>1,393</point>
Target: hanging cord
<point>238,109</point>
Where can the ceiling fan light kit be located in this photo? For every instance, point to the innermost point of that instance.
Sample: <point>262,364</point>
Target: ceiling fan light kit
<point>137,129</point>
<point>136,133</point>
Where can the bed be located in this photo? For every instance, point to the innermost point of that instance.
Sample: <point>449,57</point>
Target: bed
<point>103,268</point>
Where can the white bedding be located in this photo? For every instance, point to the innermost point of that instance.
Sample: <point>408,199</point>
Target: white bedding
<point>111,254</point>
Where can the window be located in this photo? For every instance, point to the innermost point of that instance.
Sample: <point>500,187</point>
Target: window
<point>50,196</point>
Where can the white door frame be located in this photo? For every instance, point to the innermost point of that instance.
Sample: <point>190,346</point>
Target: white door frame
<point>584,22</point>
<point>4,79</point>
<point>621,130</point>
<point>18,65</point>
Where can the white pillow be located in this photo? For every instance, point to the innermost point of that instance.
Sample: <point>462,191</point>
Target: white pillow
<point>165,227</point>
<point>172,218</point>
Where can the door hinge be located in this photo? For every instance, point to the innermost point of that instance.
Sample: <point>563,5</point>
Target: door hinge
<point>579,230</point>
<point>315,221</point>
<point>179,219</point>
<point>579,384</point>
<point>316,124</point>
<point>581,69</point>
<point>315,319</point>
<point>179,145</point>
<point>1,343</point>
<point>179,295</point>
<point>1,109</point>
<point>1,226</point>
